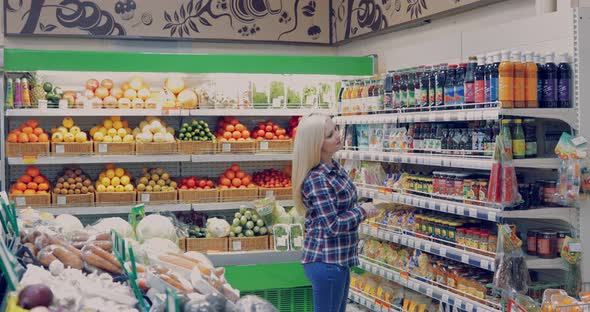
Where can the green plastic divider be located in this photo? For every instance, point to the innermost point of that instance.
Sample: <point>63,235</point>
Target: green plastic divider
<point>260,277</point>
<point>31,60</point>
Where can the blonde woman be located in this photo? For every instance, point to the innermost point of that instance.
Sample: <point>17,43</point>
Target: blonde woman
<point>326,196</point>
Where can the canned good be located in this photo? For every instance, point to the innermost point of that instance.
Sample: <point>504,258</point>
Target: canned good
<point>483,190</point>
<point>531,242</point>
<point>546,244</point>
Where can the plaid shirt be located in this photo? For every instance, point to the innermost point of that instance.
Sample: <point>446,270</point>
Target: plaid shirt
<point>332,216</point>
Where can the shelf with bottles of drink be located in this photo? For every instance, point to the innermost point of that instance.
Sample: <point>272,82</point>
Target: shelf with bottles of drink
<point>486,87</point>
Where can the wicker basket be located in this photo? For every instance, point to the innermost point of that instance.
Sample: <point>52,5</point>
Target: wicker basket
<point>63,148</point>
<point>60,200</point>
<point>146,197</point>
<point>156,148</point>
<point>280,193</point>
<point>237,195</point>
<point>198,196</point>
<point>115,197</point>
<point>197,147</point>
<point>240,147</point>
<point>248,243</point>
<point>37,200</point>
<point>207,244</point>
<point>274,146</point>
<point>20,149</point>
<point>119,148</point>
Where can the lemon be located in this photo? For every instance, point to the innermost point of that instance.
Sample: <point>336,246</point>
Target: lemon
<point>101,188</point>
<point>129,188</point>
<point>119,188</point>
<point>107,139</point>
<point>117,139</point>
<point>117,124</point>
<point>110,188</point>
<point>81,137</point>
<point>69,137</point>
<point>108,123</point>
<point>98,136</point>
<point>103,130</point>
<point>75,130</point>
<point>110,173</point>
<point>128,138</point>
<point>105,181</point>
<point>116,118</point>
<point>119,172</point>
<point>112,132</point>
<point>57,137</point>
<point>67,122</point>
<point>121,132</point>
<point>125,180</point>
<point>93,131</point>
<point>115,181</point>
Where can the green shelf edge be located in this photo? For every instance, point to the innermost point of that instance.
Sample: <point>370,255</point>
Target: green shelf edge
<point>60,60</point>
<point>250,278</point>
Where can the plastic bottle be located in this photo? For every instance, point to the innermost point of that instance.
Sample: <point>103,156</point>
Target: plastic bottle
<point>424,87</point>
<point>9,93</point>
<point>488,135</point>
<point>441,77</point>
<point>506,81</point>
<point>449,93</point>
<point>396,90</point>
<point>342,96</point>
<point>470,80</point>
<point>563,81</point>
<point>17,94</point>
<point>403,89</point>
<point>418,138</point>
<point>432,86</point>
<point>506,136</point>
<point>550,86</point>
<point>518,142</point>
<point>417,86</point>
<point>519,69</point>
<point>530,138</point>
<point>411,100</point>
<point>26,93</point>
<point>495,83</point>
<point>530,84</point>
<point>460,84</point>
<point>488,77</point>
<point>387,92</point>
<point>480,89</point>
<point>495,133</point>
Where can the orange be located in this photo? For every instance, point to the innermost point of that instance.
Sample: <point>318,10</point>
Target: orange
<point>23,138</point>
<point>230,128</point>
<point>237,134</point>
<point>227,135</point>
<point>240,127</point>
<point>223,187</point>
<point>232,139</point>
<point>240,174</point>
<point>235,167</point>
<point>261,133</point>
<point>28,130</point>
<point>230,174</point>
<point>32,123</point>
<point>268,128</point>
<point>43,187</point>
<point>16,131</point>
<point>32,186</point>
<point>33,138</point>
<point>32,171</point>
<point>12,138</point>
<point>236,182</point>
<point>268,136</point>
<point>225,182</point>
<point>43,137</point>
<point>234,122</point>
<point>275,128</point>
<point>29,192</point>
<point>25,178</point>
<point>38,131</point>
<point>41,192</point>
<point>246,181</point>
<point>281,137</point>
<point>39,179</point>
<point>20,186</point>
<point>245,134</point>
<point>16,192</point>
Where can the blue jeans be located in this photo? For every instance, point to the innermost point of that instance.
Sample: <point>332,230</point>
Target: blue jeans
<point>330,283</point>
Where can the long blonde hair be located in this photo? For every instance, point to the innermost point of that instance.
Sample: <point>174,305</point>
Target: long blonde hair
<point>306,153</point>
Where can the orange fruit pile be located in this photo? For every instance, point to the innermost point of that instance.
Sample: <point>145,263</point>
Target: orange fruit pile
<point>229,129</point>
<point>269,131</point>
<point>31,183</point>
<point>234,178</point>
<point>28,132</point>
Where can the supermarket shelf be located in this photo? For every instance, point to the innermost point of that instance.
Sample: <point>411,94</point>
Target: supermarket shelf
<point>240,157</point>
<point>470,258</point>
<point>426,288</point>
<point>98,159</point>
<point>566,214</point>
<point>253,257</point>
<point>371,303</point>
<point>233,205</point>
<point>536,263</point>
<point>94,112</point>
<point>259,112</point>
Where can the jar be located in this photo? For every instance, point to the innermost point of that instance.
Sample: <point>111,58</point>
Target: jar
<point>462,282</point>
<point>480,288</point>
<point>493,242</point>
<point>483,190</point>
<point>424,225</point>
<point>475,240</point>
<point>429,185</point>
<point>461,237</point>
<point>546,244</point>
<point>468,190</point>
<point>531,242</point>
<point>550,193</point>
<point>431,226</point>
<point>484,244</point>
<point>453,231</point>
<point>561,235</point>
<point>468,242</point>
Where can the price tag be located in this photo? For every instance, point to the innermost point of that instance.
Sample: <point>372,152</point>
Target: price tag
<point>490,114</point>
<point>374,232</point>
<point>427,247</point>
<point>451,208</point>
<point>575,247</point>
<point>389,275</point>
<point>445,298</point>
<point>264,145</point>
<point>458,302</point>
<point>443,207</point>
<point>473,212</point>
<point>388,236</point>
<point>411,285</point>
<point>411,243</point>
<point>443,252</point>
<point>465,258</point>
<point>447,117</point>
<point>404,282</point>
<point>381,235</point>
<point>431,205</point>
<point>226,147</point>
<point>422,203</point>
<point>236,245</point>
<point>61,200</point>
<point>277,102</point>
<point>382,272</point>
<point>405,241</point>
<point>484,264</point>
<point>29,159</point>
<point>102,147</point>
<point>468,307</point>
<point>374,269</point>
<point>42,104</point>
<point>408,201</point>
<point>492,216</point>
<point>269,193</point>
<point>20,201</point>
<point>396,278</point>
<point>59,149</point>
<point>63,104</point>
<point>460,210</point>
<point>470,115</point>
<point>396,239</point>
<point>145,197</point>
<point>429,292</point>
<point>395,197</point>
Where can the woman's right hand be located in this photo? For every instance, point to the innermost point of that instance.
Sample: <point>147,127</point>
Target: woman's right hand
<point>370,210</point>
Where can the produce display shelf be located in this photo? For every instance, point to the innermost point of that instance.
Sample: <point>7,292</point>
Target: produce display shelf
<point>432,247</point>
<point>240,157</point>
<point>260,112</point>
<point>456,161</point>
<point>97,159</point>
<point>565,214</point>
<point>255,257</point>
<point>536,263</point>
<point>433,291</point>
<point>233,205</point>
<point>371,303</point>
<point>78,112</point>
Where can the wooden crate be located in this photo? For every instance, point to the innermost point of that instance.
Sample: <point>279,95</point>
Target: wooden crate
<point>37,200</point>
<point>207,244</point>
<point>271,242</point>
<point>280,193</point>
<point>68,148</point>
<point>239,147</point>
<point>182,244</point>
<point>156,148</point>
<point>248,243</point>
<point>197,147</point>
<point>237,195</point>
<point>20,149</point>
<point>198,196</point>
<point>146,197</point>
<point>274,146</point>
<point>60,200</point>
<point>115,197</point>
<point>119,148</point>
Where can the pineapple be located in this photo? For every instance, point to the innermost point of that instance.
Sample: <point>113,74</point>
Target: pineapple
<point>37,92</point>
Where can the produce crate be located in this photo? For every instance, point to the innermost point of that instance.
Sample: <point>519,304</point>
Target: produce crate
<point>274,146</point>
<point>198,196</point>
<point>238,147</point>
<point>197,147</point>
<point>248,243</point>
<point>236,195</point>
<point>146,197</point>
<point>119,148</point>
<point>156,148</point>
<point>207,244</point>
<point>60,200</point>
<point>41,200</point>
<point>271,242</point>
<point>20,149</point>
<point>280,193</point>
<point>182,244</point>
<point>115,197</point>
<point>63,148</point>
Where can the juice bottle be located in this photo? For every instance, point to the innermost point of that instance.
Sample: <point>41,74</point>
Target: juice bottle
<point>449,91</point>
<point>417,86</point>
<point>17,94</point>
<point>441,78</point>
<point>371,97</point>
<point>349,100</point>
<point>341,96</point>
<point>480,95</point>
<point>550,86</point>
<point>460,84</point>
<point>470,80</point>
<point>506,81</point>
<point>488,135</point>
<point>418,138</point>
<point>518,142</point>
<point>424,87</point>
<point>396,90</point>
<point>412,87</point>
<point>403,89</point>
<point>563,81</point>
<point>506,136</point>
<point>494,79</point>
<point>530,85</point>
<point>495,133</point>
<point>388,92</point>
<point>432,86</point>
<point>26,95</point>
<point>9,93</point>
<point>519,69</point>
<point>530,138</point>
<point>354,98</point>
<point>365,96</point>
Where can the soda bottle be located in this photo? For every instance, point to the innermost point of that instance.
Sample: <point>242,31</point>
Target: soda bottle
<point>411,100</point>
<point>470,80</point>
<point>563,81</point>
<point>396,90</point>
<point>432,86</point>
<point>540,79</point>
<point>550,87</point>
<point>25,96</point>
<point>441,78</point>
<point>480,95</point>
<point>403,90</point>
<point>530,81</point>
<point>519,69</point>
<point>449,91</point>
<point>518,142</point>
<point>17,93</point>
<point>460,84</point>
<point>488,77</point>
<point>506,136</point>
<point>426,137</point>
<point>424,87</point>
<point>494,78</point>
<point>418,138</point>
<point>506,81</point>
<point>9,93</point>
<point>530,138</point>
<point>417,86</point>
<point>387,92</point>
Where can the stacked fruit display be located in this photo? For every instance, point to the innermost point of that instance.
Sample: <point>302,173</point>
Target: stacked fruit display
<point>195,131</point>
<point>153,129</point>
<point>177,95</point>
<point>114,179</point>
<point>193,182</point>
<point>247,223</point>
<point>270,131</point>
<point>272,178</point>
<point>229,129</point>
<point>234,178</point>
<point>68,132</point>
<point>72,181</point>
<point>155,180</point>
<point>293,123</point>
<point>28,132</point>
<point>112,129</point>
<point>31,183</point>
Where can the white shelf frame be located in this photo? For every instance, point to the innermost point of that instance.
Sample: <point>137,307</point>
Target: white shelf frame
<point>55,112</point>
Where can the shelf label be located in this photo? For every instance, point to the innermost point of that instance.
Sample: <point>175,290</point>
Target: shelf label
<point>61,200</point>
<point>492,216</point>
<point>20,201</point>
<point>458,302</point>
<point>429,292</point>
<point>102,147</point>
<point>264,146</point>
<point>432,117</point>
<point>473,212</point>
<point>29,159</point>
<point>381,271</point>
<point>461,115</point>
<point>237,245</point>
<point>404,241</point>
<point>269,193</point>
<point>470,115</point>
<point>465,258</point>
<point>484,264</point>
<point>431,205</point>
<point>443,251</point>
<point>389,275</point>
<point>42,104</point>
<point>445,298</point>
<point>427,247</point>
<point>145,197</point>
<point>59,149</point>
<point>443,207</point>
<point>226,147</point>
<point>63,104</point>
<point>468,307</point>
<point>373,232</point>
<point>411,243</point>
<point>408,201</point>
<point>460,210</point>
<point>447,117</point>
<point>452,208</point>
<point>422,203</point>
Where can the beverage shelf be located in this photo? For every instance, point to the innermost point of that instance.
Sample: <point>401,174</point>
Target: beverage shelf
<point>55,112</point>
<point>426,288</point>
<point>565,214</point>
<point>371,303</point>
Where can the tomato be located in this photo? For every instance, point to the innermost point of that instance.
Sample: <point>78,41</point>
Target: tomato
<point>268,128</point>
<point>261,126</point>
<point>191,183</point>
